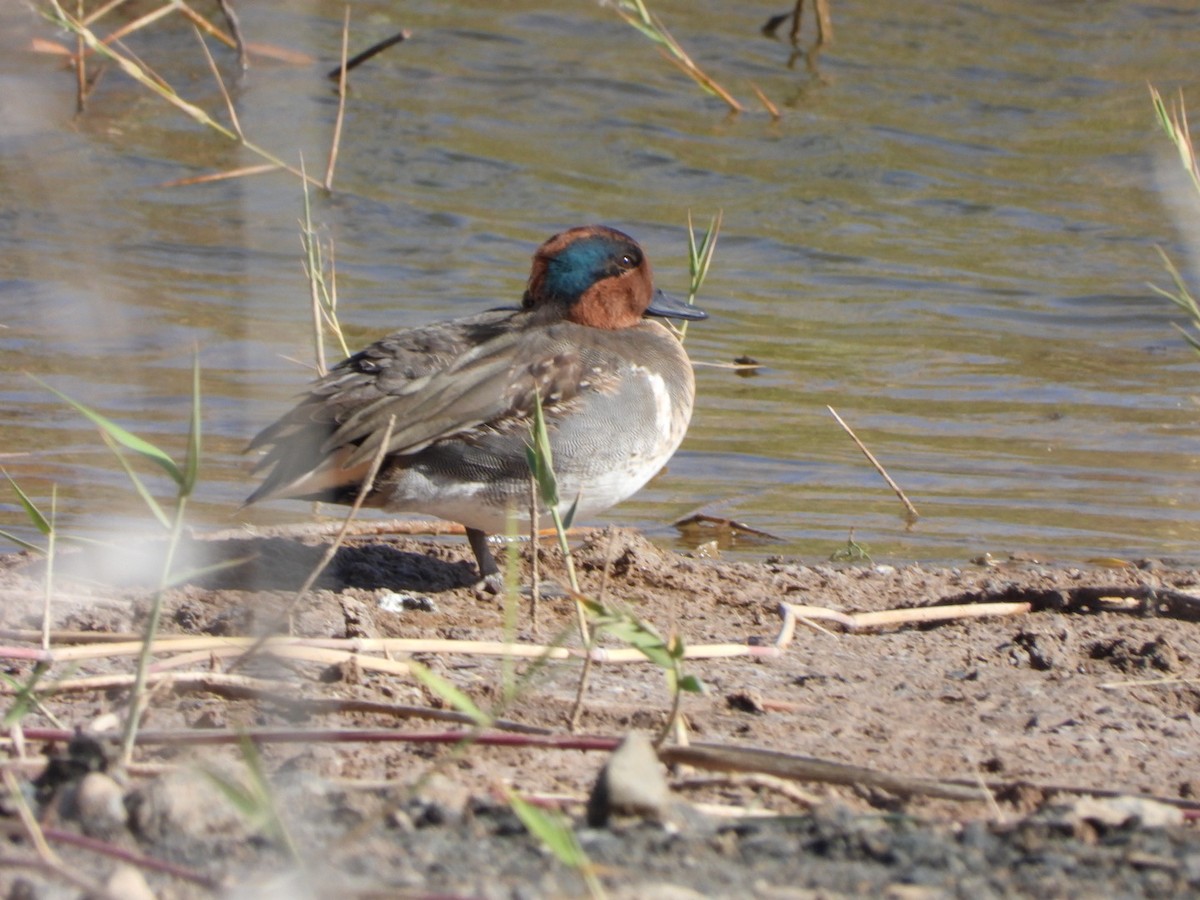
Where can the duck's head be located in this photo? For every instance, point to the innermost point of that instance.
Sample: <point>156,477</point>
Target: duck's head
<point>599,277</point>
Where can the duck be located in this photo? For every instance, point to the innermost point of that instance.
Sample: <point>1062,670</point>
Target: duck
<point>616,389</point>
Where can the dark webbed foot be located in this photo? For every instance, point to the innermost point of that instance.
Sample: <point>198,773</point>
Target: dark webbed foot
<point>491,580</point>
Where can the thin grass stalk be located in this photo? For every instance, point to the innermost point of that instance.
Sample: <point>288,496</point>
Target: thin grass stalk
<point>230,41</point>
<point>212,66</point>
<point>541,465</point>
<point>129,737</point>
<point>186,485</point>
<point>48,585</point>
<point>363,492</point>
<point>330,551</point>
<point>80,68</point>
<point>341,110</point>
<point>1174,122</point>
<point>330,650</point>
<point>32,828</point>
<point>700,258</point>
<point>140,73</point>
<point>913,515</point>
<point>635,13</point>
<point>138,484</point>
<point>535,588</point>
<point>313,270</point>
<point>100,12</point>
<point>330,295</point>
<point>139,23</point>
<point>512,610</point>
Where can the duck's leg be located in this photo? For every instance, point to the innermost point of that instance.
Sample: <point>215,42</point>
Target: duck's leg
<point>490,581</point>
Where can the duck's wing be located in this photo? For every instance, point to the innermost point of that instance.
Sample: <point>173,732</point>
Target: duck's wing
<point>455,380</point>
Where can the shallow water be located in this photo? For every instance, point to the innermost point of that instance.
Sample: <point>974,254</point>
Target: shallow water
<point>947,236</point>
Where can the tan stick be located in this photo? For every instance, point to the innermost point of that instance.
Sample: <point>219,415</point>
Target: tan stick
<point>341,110</point>
<point>912,510</point>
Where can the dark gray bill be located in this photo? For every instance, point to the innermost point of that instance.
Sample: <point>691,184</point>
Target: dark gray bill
<point>668,307</point>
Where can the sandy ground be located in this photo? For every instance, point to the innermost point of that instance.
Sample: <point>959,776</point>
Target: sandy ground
<point>995,755</point>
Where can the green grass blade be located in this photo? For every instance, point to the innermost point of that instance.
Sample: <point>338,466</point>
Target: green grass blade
<point>1187,337</point>
<point>24,695</point>
<point>551,830</point>
<point>24,545</point>
<point>138,484</point>
<point>555,835</point>
<point>35,515</point>
<point>123,437</point>
<point>541,460</point>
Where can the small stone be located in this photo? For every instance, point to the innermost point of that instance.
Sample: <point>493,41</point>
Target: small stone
<point>184,805</point>
<point>632,783</point>
<point>128,883</point>
<point>98,802</point>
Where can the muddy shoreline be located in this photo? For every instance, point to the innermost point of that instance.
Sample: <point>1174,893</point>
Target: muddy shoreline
<point>1089,692</point>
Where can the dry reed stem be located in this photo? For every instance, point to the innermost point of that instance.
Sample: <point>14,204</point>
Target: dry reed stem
<point>694,72</point>
<point>139,23</point>
<point>234,42</point>
<point>279,692</point>
<point>341,109</point>
<point>914,615</point>
<point>535,585</point>
<point>101,11</point>
<point>142,74</point>
<point>712,757</point>
<point>241,172</point>
<point>912,510</point>
<point>585,673</point>
<point>29,822</point>
<point>338,649</point>
<point>363,492</point>
<point>80,69</point>
<point>138,860</point>
<point>212,66</point>
<point>762,98</point>
<point>806,768</point>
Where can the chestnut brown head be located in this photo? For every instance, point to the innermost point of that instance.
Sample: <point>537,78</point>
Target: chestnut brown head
<point>599,277</point>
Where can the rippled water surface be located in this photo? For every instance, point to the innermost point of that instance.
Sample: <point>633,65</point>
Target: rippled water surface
<point>947,236</point>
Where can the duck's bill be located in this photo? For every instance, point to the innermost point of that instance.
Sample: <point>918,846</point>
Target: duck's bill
<point>669,307</point>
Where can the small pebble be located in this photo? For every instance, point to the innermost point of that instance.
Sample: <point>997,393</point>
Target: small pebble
<point>128,883</point>
<point>631,783</point>
<point>99,804</point>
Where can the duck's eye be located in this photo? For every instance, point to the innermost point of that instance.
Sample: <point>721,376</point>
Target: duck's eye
<point>628,262</point>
